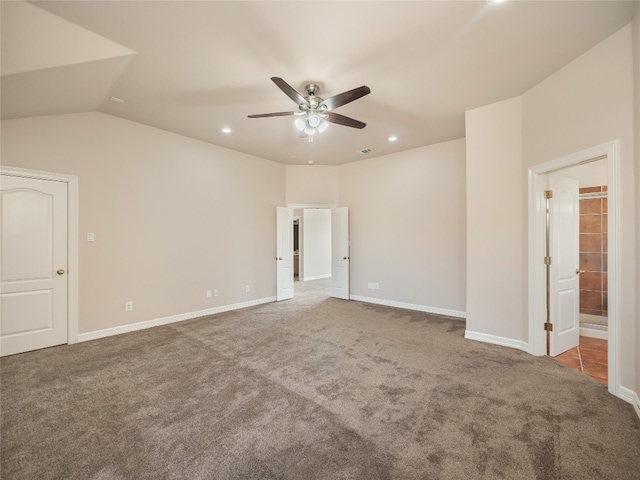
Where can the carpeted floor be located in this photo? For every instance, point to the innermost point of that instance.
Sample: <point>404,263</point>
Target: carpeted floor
<point>311,388</point>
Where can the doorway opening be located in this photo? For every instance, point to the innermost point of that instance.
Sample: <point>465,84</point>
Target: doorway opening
<point>312,252</point>
<point>599,260</point>
<point>312,245</point>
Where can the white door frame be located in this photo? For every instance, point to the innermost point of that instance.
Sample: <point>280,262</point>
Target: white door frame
<point>72,238</point>
<point>536,267</point>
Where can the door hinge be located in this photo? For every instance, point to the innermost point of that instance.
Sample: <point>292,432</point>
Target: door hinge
<point>547,260</point>
<point>548,194</point>
<point>548,327</point>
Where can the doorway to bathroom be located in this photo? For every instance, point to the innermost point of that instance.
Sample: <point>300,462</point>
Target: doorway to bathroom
<point>589,313</point>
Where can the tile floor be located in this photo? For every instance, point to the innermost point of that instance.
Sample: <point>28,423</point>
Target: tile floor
<point>590,357</point>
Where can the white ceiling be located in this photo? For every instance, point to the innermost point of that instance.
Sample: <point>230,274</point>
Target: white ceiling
<point>195,67</point>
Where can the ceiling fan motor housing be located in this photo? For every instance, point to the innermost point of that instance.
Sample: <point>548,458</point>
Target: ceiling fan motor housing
<point>312,99</point>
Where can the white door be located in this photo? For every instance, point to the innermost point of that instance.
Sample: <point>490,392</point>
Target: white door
<point>284,253</point>
<point>33,286</point>
<point>340,252</point>
<point>564,277</point>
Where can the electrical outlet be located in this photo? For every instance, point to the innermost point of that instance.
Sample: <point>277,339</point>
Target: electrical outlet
<point>208,293</point>
<point>247,288</point>
<point>91,237</point>
<point>128,307</point>
<point>376,286</point>
<point>216,293</point>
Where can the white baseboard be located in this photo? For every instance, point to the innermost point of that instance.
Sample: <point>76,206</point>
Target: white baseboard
<point>133,327</point>
<point>317,277</point>
<point>626,394</point>
<point>631,397</point>
<point>410,306</point>
<point>594,333</point>
<point>495,340</point>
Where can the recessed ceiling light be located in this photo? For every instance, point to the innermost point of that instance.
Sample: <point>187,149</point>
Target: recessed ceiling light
<point>495,2</point>
<point>393,138</point>
<point>116,99</point>
<point>226,130</point>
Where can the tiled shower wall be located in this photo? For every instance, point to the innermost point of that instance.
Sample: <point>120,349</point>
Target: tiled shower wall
<point>593,250</point>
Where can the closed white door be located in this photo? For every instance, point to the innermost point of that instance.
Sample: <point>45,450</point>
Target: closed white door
<point>564,277</point>
<point>340,253</point>
<point>284,253</point>
<point>33,286</point>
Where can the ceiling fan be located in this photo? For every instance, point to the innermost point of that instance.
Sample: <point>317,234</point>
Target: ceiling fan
<point>314,112</point>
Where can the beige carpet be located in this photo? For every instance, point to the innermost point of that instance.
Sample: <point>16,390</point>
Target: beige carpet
<point>311,388</point>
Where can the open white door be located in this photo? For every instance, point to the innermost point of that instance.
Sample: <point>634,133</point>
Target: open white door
<point>340,252</point>
<point>33,290</point>
<point>564,275</point>
<point>284,253</point>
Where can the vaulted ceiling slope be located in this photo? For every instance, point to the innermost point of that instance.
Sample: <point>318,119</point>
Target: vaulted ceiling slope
<point>195,67</point>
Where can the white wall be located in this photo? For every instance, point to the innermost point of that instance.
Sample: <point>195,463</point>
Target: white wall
<point>587,103</point>
<point>312,185</point>
<point>496,238</point>
<point>317,243</point>
<point>407,225</point>
<point>172,216</point>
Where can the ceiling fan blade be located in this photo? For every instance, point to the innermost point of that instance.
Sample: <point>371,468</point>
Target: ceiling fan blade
<point>276,114</point>
<point>342,120</point>
<point>289,91</point>
<point>346,97</point>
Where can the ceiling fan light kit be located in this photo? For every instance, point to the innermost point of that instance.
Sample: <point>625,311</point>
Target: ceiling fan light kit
<point>314,113</point>
<point>311,123</point>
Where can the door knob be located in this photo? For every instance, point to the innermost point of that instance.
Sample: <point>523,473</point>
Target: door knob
<point>60,272</point>
<point>579,272</point>
<point>279,258</point>
<point>345,258</point>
